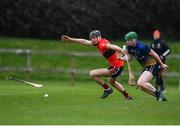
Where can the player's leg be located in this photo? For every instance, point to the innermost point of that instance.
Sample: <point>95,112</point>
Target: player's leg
<point>162,87</point>
<point>96,75</point>
<point>160,80</point>
<point>143,83</point>
<point>115,84</point>
<point>143,80</point>
<point>119,87</point>
<point>156,81</point>
<point>115,72</point>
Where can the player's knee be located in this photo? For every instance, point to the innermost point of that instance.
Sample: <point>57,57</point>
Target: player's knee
<point>140,83</point>
<point>92,74</point>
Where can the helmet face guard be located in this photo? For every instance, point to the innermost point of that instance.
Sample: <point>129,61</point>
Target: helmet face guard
<point>94,33</point>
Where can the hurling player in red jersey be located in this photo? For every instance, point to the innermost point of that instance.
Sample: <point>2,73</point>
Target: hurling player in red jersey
<point>110,52</point>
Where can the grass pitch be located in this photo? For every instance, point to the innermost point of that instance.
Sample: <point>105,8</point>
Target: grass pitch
<point>81,104</point>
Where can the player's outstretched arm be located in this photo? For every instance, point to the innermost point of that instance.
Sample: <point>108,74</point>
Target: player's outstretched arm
<point>76,40</point>
<point>157,58</point>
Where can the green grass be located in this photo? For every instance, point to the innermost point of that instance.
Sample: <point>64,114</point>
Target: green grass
<point>81,104</point>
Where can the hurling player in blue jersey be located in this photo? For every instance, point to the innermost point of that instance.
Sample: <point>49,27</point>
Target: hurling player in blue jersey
<point>149,60</point>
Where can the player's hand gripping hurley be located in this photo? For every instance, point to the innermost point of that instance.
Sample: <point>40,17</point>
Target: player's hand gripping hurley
<point>131,80</point>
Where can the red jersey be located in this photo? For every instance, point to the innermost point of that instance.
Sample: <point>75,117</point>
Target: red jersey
<point>109,54</point>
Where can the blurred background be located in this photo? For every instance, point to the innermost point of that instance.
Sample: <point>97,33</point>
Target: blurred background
<point>31,49</point>
<point>49,18</point>
<point>30,31</point>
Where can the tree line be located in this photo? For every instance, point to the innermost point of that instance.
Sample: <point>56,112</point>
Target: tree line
<point>51,18</point>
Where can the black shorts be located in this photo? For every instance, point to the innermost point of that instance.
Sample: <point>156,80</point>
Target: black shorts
<point>154,69</point>
<point>115,71</point>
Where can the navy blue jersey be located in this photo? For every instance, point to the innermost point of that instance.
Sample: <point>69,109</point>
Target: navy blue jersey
<point>141,53</point>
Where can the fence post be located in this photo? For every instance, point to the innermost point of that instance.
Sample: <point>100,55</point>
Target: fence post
<point>72,71</point>
<point>179,77</point>
<point>29,62</point>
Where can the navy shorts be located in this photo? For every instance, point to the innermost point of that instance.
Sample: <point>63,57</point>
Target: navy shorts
<point>154,69</point>
<point>115,71</point>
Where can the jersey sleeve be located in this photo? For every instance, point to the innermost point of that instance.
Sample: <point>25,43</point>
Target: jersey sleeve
<point>164,45</point>
<point>166,49</point>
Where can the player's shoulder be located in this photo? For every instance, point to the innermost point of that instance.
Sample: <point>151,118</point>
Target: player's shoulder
<point>102,43</point>
<point>153,42</point>
<point>160,41</point>
<point>141,44</point>
<point>103,40</point>
<point>163,41</point>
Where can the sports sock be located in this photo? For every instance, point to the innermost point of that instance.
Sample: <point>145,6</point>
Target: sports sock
<point>105,86</point>
<point>157,93</point>
<point>125,94</point>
